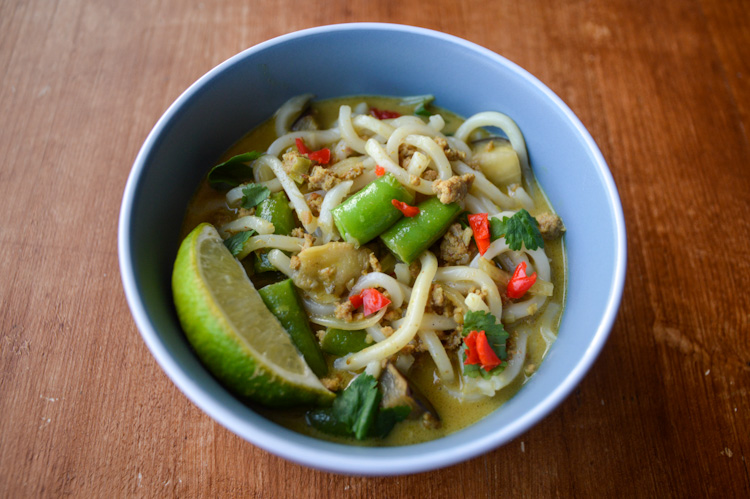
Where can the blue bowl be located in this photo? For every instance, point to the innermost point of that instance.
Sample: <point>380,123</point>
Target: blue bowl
<point>375,59</point>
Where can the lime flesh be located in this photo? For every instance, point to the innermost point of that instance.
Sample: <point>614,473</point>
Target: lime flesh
<point>233,333</point>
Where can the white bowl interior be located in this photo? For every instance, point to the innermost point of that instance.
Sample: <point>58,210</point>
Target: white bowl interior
<point>373,59</point>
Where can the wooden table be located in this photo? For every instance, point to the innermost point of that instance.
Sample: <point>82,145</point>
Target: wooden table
<point>664,88</point>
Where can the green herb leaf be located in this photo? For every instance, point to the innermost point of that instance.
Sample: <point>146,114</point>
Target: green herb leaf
<point>463,219</point>
<point>519,229</point>
<point>253,195</point>
<point>349,405</point>
<point>356,413</point>
<point>422,111</point>
<point>496,337</point>
<point>237,241</point>
<point>232,172</point>
<point>387,419</point>
<point>474,370</point>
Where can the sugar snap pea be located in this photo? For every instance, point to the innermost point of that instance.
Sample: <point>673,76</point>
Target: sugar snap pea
<point>339,342</point>
<point>284,302</point>
<point>364,216</point>
<point>276,210</point>
<point>409,237</point>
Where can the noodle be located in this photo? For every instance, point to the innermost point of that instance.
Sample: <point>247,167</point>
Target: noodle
<point>368,122</point>
<point>375,149</point>
<point>483,185</point>
<point>453,274</point>
<point>406,332</point>
<point>285,243</point>
<point>312,139</point>
<point>348,325</point>
<point>508,126</point>
<point>434,152</point>
<point>380,280</point>
<point>291,189</point>
<point>332,199</point>
<point>347,130</point>
<point>437,352</point>
<point>244,224</point>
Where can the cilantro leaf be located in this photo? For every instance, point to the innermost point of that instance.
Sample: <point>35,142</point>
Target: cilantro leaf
<point>349,407</point>
<point>232,172</point>
<point>422,111</point>
<point>492,327</point>
<point>496,337</point>
<point>253,195</point>
<point>356,412</point>
<point>387,419</point>
<point>237,241</point>
<point>519,229</point>
<point>474,370</point>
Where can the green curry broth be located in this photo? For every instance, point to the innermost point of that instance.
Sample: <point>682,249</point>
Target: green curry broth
<point>209,205</point>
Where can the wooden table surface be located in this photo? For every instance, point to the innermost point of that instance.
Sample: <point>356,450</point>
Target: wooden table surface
<point>663,87</point>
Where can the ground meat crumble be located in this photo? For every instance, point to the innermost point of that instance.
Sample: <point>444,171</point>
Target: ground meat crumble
<point>455,246</point>
<point>454,189</point>
<point>550,225</point>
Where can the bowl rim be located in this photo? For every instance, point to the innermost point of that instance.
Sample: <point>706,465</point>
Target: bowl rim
<point>328,456</point>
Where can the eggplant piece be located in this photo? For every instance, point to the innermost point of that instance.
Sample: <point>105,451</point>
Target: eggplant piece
<point>398,390</point>
<point>501,141</point>
<point>497,160</point>
<point>305,123</point>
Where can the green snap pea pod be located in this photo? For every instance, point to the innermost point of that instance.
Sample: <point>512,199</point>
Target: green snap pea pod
<point>275,208</point>
<point>364,216</point>
<point>339,342</point>
<point>284,302</point>
<point>409,237</point>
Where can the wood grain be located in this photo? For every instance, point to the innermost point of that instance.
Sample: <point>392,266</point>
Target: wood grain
<point>662,86</point>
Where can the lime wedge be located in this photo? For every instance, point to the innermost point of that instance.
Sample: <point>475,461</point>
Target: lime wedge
<point>236,337</point>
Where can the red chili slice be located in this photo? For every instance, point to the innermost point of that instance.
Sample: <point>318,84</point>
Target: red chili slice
<point>472,356</point>
<point>383,114</point>
<point>301,147</point>
<point>487,355</point>
<point>323,156</point>
<point>373,300</point>
<point>407,210</point>
<point>356,300</point>
<point>480,225</point>
<point>519,284</point>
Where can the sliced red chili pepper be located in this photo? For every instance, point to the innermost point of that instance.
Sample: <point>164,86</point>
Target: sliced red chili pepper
<point>373,300</point>
<point>322,156</point>
<point>480,225</point>
<point>520,283</point>
<point>301,147</point>
<point>407,210</point>
<point>482,245</point>
<point>383,114</point>
<point>472,356</point>
<point>487,356</point>
<point>379,170</point>
<point>356,300</point>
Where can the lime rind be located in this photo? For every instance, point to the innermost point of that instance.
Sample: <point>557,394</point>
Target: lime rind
<point>226,321</point>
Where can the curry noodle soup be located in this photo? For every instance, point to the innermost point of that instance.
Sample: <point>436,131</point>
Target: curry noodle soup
<point>412,258</point>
